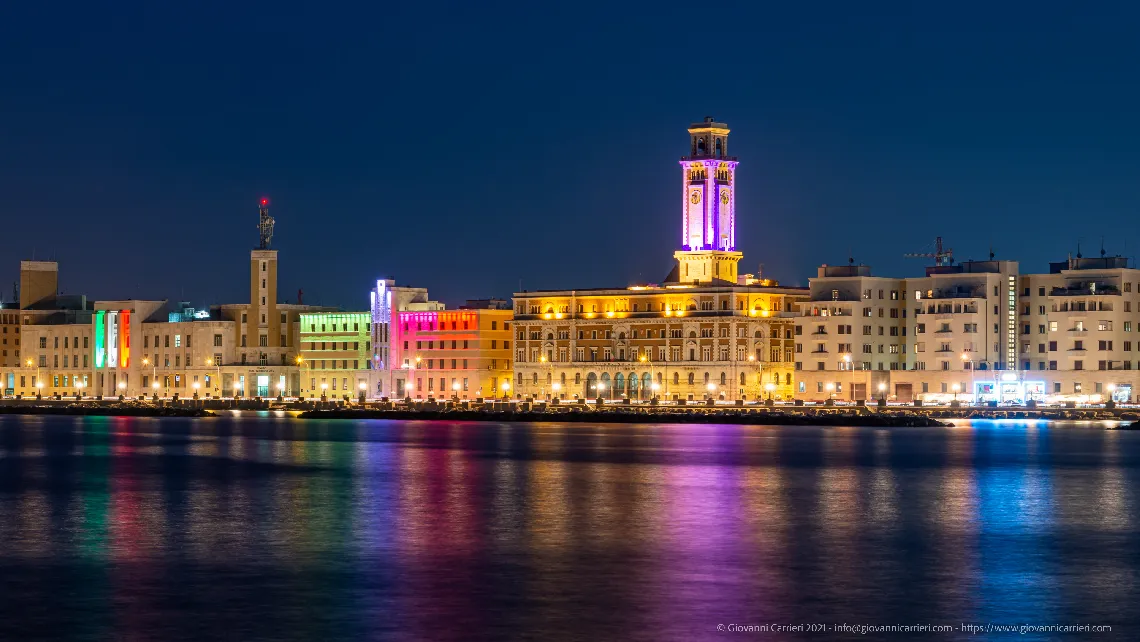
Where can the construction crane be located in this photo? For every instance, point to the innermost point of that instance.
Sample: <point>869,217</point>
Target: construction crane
<point>942,257</point>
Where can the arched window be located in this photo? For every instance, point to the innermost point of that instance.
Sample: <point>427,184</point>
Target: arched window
<point>577,377</point>
<point>550,336</point>
<point>787,379</point>
<point>742,378</point>
<point>759,334</point>
<point>700,146</point>
<point>563,378</point>
<point>691,377</point>
<point>723,379</point>
<point>676,378</point>
<point>719,147</point>
<point>692,334</point>
<point>534,379</point>
<point>549,376</point>
<point>621,336</point>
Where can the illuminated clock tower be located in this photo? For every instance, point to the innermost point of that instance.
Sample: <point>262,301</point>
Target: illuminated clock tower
<point>708,207</point>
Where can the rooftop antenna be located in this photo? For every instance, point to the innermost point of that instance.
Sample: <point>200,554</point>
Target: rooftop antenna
<point>264,225</point>
<point>1078,248</point>
<point>1102,247</point>
<point>991,251</point>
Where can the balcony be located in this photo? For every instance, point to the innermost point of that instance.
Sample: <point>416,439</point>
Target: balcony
<point>1073,332</point>
<point>957,293</point>
<point>819,352</point>
<point>1086,289</point>
<point>818,333</point>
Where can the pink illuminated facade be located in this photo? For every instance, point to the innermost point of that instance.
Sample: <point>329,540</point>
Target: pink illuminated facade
<point>465,353</point>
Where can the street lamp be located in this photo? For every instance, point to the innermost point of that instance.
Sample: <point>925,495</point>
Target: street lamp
<point>847,360</point>
<point>973,386</point>
<point>154,386</point>
<point>362,387</point>
<point>324,391</point>
<point>712,389</point>
<point>655,387</point>
<point>956,388</point>
<point>455,389</point>
<point>830,387</point>
<point>601,387</point>
<point>769,387</point>
<point>883,391</point>
<point>39,388</point>
<point>506,389</point>
<point>79,390</point>
<point>237,389</point>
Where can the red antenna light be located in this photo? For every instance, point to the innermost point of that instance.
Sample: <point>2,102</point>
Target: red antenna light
<point>265,201</point>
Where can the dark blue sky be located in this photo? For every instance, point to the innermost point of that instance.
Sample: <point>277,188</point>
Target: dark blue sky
<point>465,146</point>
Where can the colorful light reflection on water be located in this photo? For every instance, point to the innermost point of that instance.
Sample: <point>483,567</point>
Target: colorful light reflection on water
<point>273,528</point>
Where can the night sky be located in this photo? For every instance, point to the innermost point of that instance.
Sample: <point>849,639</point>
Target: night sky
<point>467,147</point>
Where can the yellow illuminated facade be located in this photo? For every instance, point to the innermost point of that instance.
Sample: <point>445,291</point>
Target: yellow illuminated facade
<point>706,332</point>
<point>672,342</point>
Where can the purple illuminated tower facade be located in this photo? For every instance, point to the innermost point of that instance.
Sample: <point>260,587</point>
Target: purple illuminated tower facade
<point>708,207</point>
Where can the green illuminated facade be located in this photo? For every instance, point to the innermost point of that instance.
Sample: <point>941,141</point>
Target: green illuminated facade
<point>335,349</point>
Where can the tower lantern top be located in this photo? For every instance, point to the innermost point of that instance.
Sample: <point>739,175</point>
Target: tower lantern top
<point>265,225</point>
<point>708,139</point>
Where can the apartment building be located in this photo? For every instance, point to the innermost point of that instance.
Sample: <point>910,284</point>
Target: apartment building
<point>850,333</point>
<point>976,331</point>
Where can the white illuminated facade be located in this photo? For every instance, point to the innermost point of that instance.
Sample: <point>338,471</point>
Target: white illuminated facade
<point>978,331</point>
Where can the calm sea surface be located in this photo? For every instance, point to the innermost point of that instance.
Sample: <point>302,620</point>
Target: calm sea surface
<point>272,528</point>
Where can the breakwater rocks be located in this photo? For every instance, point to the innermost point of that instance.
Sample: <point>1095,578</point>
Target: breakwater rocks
<point>758,417</point>
<point>125,409</point>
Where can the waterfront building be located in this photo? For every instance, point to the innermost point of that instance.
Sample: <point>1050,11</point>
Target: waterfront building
<point>704,331</point>
<point>336,350</point>
<point>463,354</point>
<point>977,331</point>
<point>385,300</point>
<point>850,333</point>
<point>135,348</point>
<point>9,347</point>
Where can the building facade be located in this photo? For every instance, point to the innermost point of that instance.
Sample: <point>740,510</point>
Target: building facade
<point>133,348</point>
<point>336,351</point>
<point>463,354</point>
<point>707,331</point>
<point>386,301</point>
<point>979,331</point>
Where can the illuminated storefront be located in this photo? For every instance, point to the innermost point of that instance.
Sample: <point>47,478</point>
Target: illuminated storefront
<point>1009,389</point>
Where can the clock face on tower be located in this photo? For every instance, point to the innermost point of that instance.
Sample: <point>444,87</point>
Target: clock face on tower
<point>695,197</point>
<point>724,197</point>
